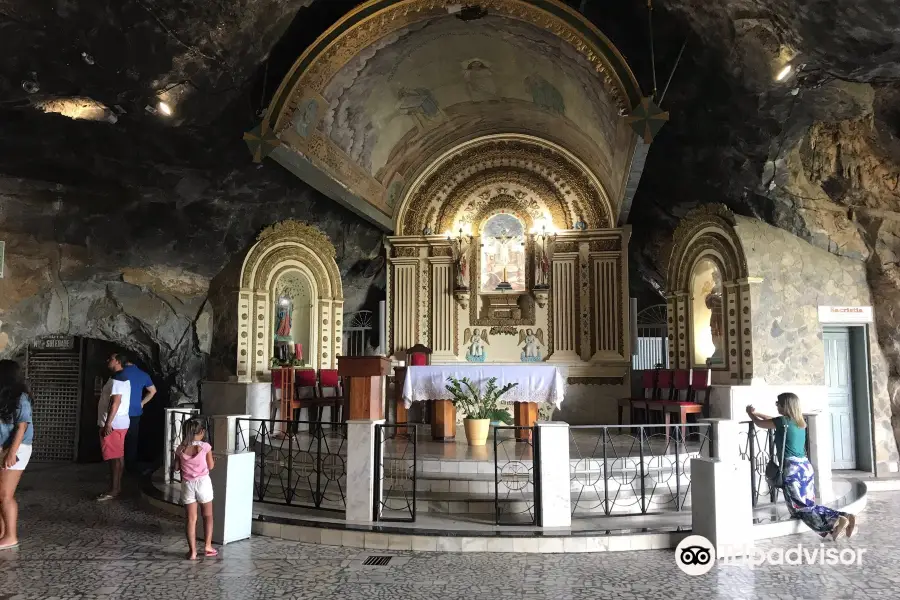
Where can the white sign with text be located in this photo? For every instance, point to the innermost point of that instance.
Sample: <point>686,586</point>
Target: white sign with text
<point>845,314</point>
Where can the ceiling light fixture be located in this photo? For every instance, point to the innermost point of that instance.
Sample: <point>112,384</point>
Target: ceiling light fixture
<point>164,108</point>
<point>783,73</point>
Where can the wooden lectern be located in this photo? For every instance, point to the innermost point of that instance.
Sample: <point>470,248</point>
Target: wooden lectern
<point>364,376</point>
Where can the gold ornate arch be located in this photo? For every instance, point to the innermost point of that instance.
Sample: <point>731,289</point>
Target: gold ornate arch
<point>281,248</point>
<point>567,188</point>
<point>706,230</point>
<point>376,19</point>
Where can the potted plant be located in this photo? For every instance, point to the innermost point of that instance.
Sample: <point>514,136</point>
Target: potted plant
<point>479,408</point>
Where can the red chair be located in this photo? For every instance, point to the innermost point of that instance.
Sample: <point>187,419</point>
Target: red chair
<point>329,380</point>
<point>305,395</point>
<point>698,385</point>
<point>648,385</point>
<point>418,356</point>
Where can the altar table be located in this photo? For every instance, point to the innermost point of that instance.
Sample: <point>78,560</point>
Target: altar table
<point>536,384</point>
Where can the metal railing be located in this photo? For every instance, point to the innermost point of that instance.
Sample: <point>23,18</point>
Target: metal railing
<point>517,477</point>
<point>757,445</point>
<point>396,455</point>
<point>298,463</point>
<point>636,469</point>
<point>176,420</point>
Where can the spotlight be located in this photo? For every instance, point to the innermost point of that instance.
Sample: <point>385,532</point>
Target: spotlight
<point>164,108</point>
<point>783,73</point>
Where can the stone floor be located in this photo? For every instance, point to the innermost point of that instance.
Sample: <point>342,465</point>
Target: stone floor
<point>74,548</point>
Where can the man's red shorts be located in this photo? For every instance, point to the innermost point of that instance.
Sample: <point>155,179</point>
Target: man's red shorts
<point>113,445</point>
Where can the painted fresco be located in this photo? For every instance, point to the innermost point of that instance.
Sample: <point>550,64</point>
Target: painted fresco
<point>440,76</point>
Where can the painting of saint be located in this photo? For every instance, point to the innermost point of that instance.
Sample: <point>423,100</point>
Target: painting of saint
<point>393,193</point>
<point>545,95</point>
<point>418,103</point>
<point>479,80</point>
<point>503,254</point>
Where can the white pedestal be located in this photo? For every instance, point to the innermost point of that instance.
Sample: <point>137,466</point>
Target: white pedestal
<point>818,428</point>
<point>555,488</point>
<point>721,507</point>
<point>232,480</point>
<point>360,469</point>
<point>224,433</point>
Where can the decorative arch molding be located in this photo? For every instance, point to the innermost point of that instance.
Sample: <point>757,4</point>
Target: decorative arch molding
<point>288,246</point>
<point>707,232</point>
<point>376,19</point>
<point>539,174</point>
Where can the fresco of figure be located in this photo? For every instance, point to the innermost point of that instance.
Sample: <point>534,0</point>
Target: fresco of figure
<point>479,81</point>
<point>418,103</point>
<point>545,95</point>
<point>305,118</point>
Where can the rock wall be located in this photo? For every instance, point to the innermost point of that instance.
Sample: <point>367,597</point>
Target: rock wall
<point>797,278</point>
<point>155,271</point>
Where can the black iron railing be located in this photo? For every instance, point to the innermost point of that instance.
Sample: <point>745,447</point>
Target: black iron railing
<point>396,455</point>
<point>636,469</point>
<point>758,445</point>
<point>298,463</point>
<point>175,425</point>
<point>517,479</point>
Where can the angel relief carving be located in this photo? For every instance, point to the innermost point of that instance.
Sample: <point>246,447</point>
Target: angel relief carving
<point>532,343</point>
<point>476,339</point>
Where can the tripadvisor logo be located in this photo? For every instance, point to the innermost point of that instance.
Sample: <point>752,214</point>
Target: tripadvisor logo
<point>696,555</point>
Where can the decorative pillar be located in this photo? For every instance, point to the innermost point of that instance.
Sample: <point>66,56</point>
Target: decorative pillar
<point>818,428</point>
<point>734,333</point>
<point>584,302</point>
<point>564,315</point>
<point>749,290</point>
<point>682,315</point>
<point>360,493</point>
<point>245,342</point>
<point>404,299</point>
<point>442,307</point>
<point>555,485</point>
<point>261,329</point>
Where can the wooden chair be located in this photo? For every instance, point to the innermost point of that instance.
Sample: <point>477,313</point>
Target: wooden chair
<point>648,384</point>
<point>698,386</point>
<point>306,380</point>
<point>329,380</point>
<point>282,379</point>
<point>416,356</point>
<point>663,393</point>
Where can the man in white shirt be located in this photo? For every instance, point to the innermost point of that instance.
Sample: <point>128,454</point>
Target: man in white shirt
<point>112,418</point>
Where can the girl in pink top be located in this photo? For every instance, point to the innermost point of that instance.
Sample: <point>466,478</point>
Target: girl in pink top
<point>195,460</point>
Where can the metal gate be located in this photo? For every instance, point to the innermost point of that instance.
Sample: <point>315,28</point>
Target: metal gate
<point>357,326</point>
<point>53,371</point>
<point>652,339</point>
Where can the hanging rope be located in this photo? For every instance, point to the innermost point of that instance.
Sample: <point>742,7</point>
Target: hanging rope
<point>652,52</point>
<point>672,74</point>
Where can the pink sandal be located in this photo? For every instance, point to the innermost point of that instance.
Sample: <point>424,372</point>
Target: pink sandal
<point>212,552</point>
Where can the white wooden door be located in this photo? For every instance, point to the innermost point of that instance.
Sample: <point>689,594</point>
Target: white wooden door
<point>840,399</point>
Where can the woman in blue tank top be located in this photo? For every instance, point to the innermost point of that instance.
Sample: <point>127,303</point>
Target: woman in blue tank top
<point>799,478</point>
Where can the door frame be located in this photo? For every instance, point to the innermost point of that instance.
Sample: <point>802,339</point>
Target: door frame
<point>861,392</point>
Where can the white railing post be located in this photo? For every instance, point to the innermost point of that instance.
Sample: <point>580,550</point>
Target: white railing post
<point>721,507</point>
<point>224,432</point>
<point>360,492</point>
<point>818,428</point>
<point>555,485</point>
<point>724,440</point>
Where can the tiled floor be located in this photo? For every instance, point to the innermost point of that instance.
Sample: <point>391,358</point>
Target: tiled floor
<point>74,548</point>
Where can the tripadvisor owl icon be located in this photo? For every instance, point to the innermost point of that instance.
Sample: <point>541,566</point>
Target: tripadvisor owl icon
<point>695,555</point>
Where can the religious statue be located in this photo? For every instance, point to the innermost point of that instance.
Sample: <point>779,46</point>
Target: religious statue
<point>477,340</point>
<point>541,262</point>
<point>462,262</point>
<point>503,242</point>
<point>531,342</point>
<point>283,340</point>
<point>713,299</point>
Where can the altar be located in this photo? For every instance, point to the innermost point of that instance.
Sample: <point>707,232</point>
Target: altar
<point>536,384</point>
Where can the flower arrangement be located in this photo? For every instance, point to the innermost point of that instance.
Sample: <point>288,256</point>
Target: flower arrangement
<point>469,399</point>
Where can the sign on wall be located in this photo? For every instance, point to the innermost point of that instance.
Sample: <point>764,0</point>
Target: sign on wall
<point>845,314</point>
<point>54,342</point>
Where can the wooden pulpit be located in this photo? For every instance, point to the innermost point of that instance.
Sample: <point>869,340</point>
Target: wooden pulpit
<point>364,377</point>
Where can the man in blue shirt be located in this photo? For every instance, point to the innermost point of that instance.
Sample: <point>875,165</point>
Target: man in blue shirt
<point>142,392</point>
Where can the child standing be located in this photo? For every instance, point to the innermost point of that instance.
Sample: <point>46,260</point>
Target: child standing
<point>195,460</point>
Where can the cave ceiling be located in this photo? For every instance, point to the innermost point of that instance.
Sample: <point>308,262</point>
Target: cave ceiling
<point>816,154</point>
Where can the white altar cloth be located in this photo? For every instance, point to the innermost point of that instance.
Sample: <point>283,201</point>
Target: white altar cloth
<point>537,383</point>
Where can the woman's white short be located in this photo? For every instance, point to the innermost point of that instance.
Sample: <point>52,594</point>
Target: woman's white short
<point>24,455</point>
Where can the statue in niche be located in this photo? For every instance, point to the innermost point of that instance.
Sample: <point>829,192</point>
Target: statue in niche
<point>479,80</point>
<point>532,343</point>
<point>477,339</point>
<point>283,339</point>
<point>305,117</point>
<point>712,294</point>
<point>545,95</point>
<point>461,250</point>
<point>542,252</point>
<point>418,103</point>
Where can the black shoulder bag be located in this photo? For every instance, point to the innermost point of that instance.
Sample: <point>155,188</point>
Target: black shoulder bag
<point>775,471</point>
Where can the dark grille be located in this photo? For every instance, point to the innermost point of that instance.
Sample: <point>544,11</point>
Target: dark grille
<point>377,561</point>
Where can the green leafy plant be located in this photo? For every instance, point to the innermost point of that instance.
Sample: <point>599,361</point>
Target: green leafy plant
<point>469,399</point>
<point>501,415</point>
